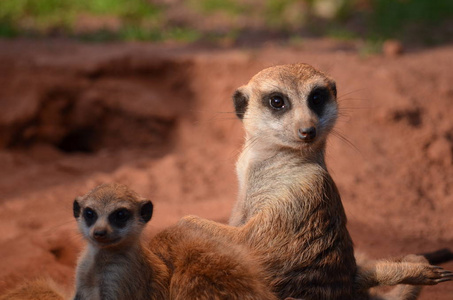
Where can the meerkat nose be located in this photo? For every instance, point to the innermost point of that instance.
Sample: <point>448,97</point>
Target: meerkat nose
<point>100,233</point>
<point>307,134</point>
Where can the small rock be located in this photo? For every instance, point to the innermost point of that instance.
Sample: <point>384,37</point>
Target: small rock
<point>392,48</point>
<point>441,150</point>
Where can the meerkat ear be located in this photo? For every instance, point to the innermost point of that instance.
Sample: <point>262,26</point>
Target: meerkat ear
<point>240,101</point>
<point>333,88</point>
<point>76,207</point>
<point>146,211</point>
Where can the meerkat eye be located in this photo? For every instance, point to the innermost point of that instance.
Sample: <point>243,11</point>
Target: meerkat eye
<point>120,217</point>
<point>317,99</point>
<point>89,216</point>
<point>277,102</point>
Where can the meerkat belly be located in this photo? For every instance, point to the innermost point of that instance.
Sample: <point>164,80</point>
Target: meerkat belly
<point>327,276</point>
<point>305,246</point>
<point>313,269</point>
<point>124,279</point>
<point>87,285</point>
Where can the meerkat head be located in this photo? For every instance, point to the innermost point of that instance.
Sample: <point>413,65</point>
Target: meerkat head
<point>291,106</point>
<point>111,215</point>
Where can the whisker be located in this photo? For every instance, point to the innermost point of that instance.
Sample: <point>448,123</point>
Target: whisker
<point>229,112</point>
<point>217,119</point>
<point>355,107</point>
<point>349,93</point>
<point>350,99</point>
<point>339,135</point>
<point>60,225</point>
<point>249,144</point>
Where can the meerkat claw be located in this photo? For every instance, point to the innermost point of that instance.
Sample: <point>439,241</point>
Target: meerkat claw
<point>440,275</point>
<point>447,274</point>
<point>442,280</point>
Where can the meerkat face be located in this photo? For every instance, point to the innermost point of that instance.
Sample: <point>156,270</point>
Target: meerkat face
<point>290,106</point>
<point>111,215</point>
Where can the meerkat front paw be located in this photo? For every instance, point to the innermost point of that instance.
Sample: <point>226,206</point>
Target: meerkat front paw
<point>424,273</point>
<point>433,275</point>
<point>441,275</point>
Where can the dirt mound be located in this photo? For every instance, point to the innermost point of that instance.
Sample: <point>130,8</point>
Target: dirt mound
<point>160,119</point>
<point>84,110</point>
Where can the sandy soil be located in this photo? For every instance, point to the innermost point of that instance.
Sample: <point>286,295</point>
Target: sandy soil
<point>159,118</point>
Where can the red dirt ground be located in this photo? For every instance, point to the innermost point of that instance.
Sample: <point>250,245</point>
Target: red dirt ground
<point>159,118</point>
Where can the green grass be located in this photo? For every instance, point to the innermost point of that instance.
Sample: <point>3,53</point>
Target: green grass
<point>138,33</point>
<point>16,9</point>
<point>340,33</point>
<point>283,14</point>
<point>231,7</point>
<point>421,20</point>
<point>45,15</point>
<point>7,29</point>
<point>372,46</point>
<point>391,18</point>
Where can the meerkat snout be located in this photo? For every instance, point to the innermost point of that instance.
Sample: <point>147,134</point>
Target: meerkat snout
<point>307,134</point>
<point>99,234</point>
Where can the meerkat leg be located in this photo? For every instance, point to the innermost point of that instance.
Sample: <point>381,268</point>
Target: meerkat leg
<point>411,269</point>
<point>407,273</point>
<point>400,292</point>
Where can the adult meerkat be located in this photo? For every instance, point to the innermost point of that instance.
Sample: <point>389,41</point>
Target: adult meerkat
<point>180,264</point>
<point>289,210</point>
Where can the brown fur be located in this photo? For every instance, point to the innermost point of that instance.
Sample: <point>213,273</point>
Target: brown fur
<point>289,210</point>
<point>119,270</point>
<point>206,268</point>
<point>179,263</point>
<point>410,270</point>
<point>42,289</point>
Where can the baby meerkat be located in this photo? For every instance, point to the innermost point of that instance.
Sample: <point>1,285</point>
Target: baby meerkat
<point>115,264</point>
<point>289,211</point>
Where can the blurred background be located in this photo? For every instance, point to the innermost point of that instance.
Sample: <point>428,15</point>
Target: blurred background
<point>231,22</point>
<point>139,92</point>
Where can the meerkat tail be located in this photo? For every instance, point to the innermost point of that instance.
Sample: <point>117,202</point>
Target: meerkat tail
<point>438,257</point>
<point>42,289</point>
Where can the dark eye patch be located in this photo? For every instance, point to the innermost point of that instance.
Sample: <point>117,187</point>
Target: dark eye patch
<point>240,101</point>
<point>318,99</point>
<point>90,216</point>
<point>76,209</point>
<point>119,217</point>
